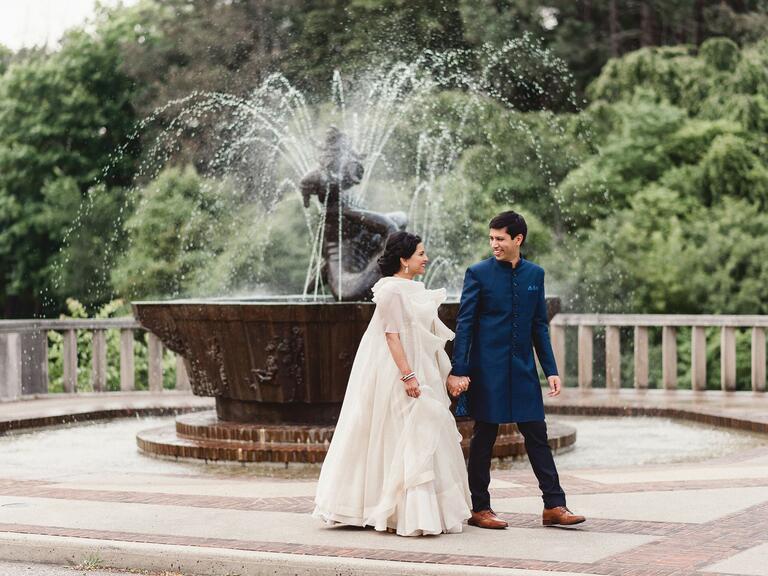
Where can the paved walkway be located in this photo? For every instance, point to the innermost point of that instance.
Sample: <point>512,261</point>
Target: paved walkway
<point>675,520</point>
<point>27,569</point>
<point>54,409</point>
<point>742,410</point>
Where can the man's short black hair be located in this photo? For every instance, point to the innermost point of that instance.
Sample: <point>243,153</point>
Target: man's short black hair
<point>513,222</point>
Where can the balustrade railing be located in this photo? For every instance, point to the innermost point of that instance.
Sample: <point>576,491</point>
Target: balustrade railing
<point>24,351</point>
<point>669,325</point>
<point>24,356</point>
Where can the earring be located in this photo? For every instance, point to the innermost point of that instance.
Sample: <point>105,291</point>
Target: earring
<point>407,270</point>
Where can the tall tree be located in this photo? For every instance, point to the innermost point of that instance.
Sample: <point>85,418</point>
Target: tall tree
<point>614,27</point>
<point>353,34</point>
<point>61,117</point>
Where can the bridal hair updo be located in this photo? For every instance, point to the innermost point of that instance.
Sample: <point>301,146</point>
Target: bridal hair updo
<point>399,245</point>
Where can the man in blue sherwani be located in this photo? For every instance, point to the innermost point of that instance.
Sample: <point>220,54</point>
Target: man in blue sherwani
<point>502,319</point>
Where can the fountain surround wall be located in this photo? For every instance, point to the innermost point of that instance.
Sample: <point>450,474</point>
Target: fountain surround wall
<point>276,367</point>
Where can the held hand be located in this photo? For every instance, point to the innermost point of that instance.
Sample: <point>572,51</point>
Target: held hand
<point>412,388</point>
<point>457,384</point>
<point>453,385</point>
<point>554,386</point>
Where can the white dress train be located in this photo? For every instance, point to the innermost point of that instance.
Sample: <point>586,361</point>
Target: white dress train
<point>396,461</point>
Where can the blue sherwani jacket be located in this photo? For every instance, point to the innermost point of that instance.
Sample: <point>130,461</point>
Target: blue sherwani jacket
<point>502,318</point>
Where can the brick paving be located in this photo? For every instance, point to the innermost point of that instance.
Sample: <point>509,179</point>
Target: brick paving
<point>670,548</point>
<point>680,548</point>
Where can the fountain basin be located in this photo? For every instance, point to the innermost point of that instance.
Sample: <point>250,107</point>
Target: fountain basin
<point>278,370</point>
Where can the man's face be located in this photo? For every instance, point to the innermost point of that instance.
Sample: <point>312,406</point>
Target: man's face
<point>503,245</point>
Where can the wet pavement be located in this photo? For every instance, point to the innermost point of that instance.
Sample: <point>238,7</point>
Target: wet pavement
<point>663,497</point>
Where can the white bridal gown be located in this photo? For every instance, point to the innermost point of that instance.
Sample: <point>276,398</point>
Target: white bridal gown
<point>396,461</point>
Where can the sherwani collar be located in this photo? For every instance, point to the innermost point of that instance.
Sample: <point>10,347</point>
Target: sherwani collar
<point>504,264</point>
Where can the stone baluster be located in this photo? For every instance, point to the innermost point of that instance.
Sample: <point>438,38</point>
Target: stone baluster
<point>155,346</point>
<point>612,357</point>
<point>669,357</point>
<point>10,366</point>
<point>127,372</point>
<point>99,367</point>
<point>758,359</point>
<point>34,362</point>
<point>558,347</point>
<point>728,358</point>
<point>70,361</point>
<point>641,357</point>
<point>585,356</point>
<point>698,358</point>
<point>182,377</point>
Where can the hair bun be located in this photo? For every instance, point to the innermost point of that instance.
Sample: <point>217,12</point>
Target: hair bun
<point>399,244</point>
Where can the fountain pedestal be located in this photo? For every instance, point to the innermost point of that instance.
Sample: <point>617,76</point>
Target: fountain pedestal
<point>202,436</point>
<point>278,371</point>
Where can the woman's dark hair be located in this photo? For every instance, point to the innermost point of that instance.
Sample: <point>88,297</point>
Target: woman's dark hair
<point>399,245</point>
<point>513,222</point>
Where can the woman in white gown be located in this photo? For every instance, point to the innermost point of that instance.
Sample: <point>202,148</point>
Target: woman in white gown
<point>395,461</point>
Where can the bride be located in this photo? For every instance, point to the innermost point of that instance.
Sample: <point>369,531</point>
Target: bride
<point>395,462</point>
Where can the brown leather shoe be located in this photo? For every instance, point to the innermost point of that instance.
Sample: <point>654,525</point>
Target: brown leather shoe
<point>560,516</point>
<point>487,519</point>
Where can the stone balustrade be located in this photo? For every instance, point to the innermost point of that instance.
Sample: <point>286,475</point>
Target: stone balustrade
<point>24,351</point>
<point>24,356</point>
<point>669,325</point>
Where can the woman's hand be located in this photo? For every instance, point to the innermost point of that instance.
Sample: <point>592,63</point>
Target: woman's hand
<point>412,387</point>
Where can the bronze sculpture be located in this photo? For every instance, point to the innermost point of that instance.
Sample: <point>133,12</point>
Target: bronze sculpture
<point>353,238</point>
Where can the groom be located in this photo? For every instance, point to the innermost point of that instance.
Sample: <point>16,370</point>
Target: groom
<point>502,319</point>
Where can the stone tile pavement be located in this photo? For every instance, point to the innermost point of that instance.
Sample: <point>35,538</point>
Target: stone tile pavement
<point>687,519</point>
<point>54,409</point>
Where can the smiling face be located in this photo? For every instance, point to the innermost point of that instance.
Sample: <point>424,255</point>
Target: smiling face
<point>504,246</point>
<point>417,263</point>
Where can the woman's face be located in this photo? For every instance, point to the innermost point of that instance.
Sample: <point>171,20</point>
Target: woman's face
<point>417,263</point>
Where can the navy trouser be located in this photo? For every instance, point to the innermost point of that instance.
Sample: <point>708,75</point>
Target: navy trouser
<point>539,454</point>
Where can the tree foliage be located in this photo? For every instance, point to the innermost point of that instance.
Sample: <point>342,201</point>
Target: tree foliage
<point>668,151</point>
<point>62,116</point>
<point>669,216</point>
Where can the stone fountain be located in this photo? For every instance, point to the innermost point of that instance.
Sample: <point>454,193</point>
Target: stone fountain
<point>279,369</point>
<point>278,366</point>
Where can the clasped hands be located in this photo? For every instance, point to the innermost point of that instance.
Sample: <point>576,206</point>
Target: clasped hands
<point>457,384</point>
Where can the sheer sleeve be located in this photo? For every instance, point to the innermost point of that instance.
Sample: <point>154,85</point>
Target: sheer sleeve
<point>389,304</point>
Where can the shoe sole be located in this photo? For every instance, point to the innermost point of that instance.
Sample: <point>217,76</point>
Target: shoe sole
<point>553,523</point>
<point>475,524</point>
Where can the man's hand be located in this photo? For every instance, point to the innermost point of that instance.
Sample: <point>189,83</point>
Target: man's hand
<point>554,386</point>
<point>457,384</point>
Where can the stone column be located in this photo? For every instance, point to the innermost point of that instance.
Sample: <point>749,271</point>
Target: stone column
<point>34,363</point>
<point>641,357</point>
<point>612,357</point>
<point>10,366</point>
<point>585,356</point>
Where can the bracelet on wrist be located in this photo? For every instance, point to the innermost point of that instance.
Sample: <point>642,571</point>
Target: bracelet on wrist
<point>408,376</point>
